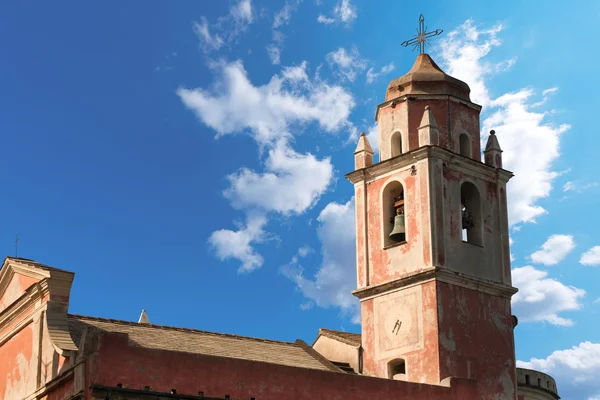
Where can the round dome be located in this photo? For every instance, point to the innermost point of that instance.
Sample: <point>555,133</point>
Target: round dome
<point>425,77</point>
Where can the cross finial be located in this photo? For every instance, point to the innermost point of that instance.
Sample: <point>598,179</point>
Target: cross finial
<point>420,39</point>
<point>17,246</point>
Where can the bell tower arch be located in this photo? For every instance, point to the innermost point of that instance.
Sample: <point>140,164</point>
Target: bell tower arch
<point>433,262</point>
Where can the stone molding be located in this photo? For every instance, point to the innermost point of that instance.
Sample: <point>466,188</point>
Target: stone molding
<point>475,168</point>
<point>55,286</point>
<point>415,96</point>
<point>439,274</point>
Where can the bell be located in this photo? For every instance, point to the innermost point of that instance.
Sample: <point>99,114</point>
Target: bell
<point>398,234</point>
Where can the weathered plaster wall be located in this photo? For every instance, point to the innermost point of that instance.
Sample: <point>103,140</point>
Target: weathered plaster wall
<point>491,260</point>
<point>335,350</point>
<point>389,263</point>
<point>416,341</point>
<point>476,339</point>
<point>134,367</point>
<point>535,385</point>
<point>18,366</point>
<point>16,287</point>
<point>452,116</point>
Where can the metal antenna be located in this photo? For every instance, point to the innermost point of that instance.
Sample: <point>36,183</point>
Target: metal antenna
<point>17,246</point>
<point>420,39</point>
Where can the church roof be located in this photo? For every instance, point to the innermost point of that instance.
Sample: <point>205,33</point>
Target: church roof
<point>159,337</point>
<point>426,77</point>
<point>353,339</point>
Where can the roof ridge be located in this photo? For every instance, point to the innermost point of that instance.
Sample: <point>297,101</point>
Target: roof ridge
<point>35,264</point>
<point>336,331</point>
<point>175,328</point>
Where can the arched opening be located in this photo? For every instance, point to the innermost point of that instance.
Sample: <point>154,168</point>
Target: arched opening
<point>470,207</point>
<point>397,369</point>
<point>392,208</point>
<point>396,143</point>
<point>464,145</point>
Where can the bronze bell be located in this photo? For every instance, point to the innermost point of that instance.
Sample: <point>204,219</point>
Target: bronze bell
<point>398,234</point>
<point>467,219</point>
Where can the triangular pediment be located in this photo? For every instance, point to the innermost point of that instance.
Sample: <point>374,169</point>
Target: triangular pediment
<point>17,275</point>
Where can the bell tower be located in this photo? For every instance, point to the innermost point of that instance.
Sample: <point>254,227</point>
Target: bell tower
<point>433,262</point>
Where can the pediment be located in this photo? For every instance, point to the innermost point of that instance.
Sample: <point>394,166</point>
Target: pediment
<point>17,275</point>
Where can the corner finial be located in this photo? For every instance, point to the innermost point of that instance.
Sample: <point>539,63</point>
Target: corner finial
<point>363,155</point>
<point>493,152</point>
<point>492,132</point>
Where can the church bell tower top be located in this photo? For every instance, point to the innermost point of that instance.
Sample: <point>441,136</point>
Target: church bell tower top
<point>426,77</point>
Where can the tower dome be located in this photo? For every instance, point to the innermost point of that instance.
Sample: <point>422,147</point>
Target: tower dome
<point>426,77</point>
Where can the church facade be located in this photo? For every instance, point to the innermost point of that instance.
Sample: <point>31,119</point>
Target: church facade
<point>433,280</point>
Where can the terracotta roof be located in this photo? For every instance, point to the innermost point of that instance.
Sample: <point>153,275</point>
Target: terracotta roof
<point>426,77</point>
<point>353,339</point>
<point>293,354</point>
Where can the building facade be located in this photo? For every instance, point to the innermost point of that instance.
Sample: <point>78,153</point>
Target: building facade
<point>433,280</point>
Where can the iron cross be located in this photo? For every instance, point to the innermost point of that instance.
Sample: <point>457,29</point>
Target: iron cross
<point>420,39</point>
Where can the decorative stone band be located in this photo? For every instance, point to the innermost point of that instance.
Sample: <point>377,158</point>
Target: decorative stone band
<point>476,168</point>
<point>440,274</point>
<point>393,102</point>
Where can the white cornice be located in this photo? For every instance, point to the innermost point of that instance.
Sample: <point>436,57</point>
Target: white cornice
<point>476,168</point>
<point>440,274</point>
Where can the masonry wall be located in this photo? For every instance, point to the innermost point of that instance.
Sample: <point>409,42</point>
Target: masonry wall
<point>133,367</point>
<point>476,340</point>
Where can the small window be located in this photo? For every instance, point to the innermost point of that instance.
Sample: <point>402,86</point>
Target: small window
<point>548,385</point>
<point>397,369</point>
<point>540,382</point>
<point>527,380</point>
<point>464,144</point>
<point>396,143</point>
<point>394,226</point>
<point>470,208</point>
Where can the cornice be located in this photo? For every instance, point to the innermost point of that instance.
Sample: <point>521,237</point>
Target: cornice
<point>415,96</point>
<point>474,167</point>
<point>440,274</point>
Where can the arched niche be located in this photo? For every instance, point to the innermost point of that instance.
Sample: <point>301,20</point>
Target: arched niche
<point>393,205</point>
<point>471,216</point>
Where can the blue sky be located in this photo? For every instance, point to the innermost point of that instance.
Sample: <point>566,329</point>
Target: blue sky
<point>189,159</point>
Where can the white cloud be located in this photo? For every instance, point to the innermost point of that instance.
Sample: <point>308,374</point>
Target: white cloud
<point>346,63</point>
<point>227,28</point>
<point>554,250</point>
<point>591,257</point>
<point>235,105</point>
<point>292,182</point>
<point>571,186</point>
<point>336,277</point>
<point>343,11</point>
<point>325,20</point>
<point>550,91</point>
<point>208,40</point>
<point>541,298</point>
<point>281,18</point>
<point>237,245</point>
<point>576,370</point>
<point>521,131</point>
<point>386,69</point>
<point>274,53</point>
<point>242,11</point>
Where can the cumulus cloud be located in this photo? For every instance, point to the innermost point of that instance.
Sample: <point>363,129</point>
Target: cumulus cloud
<point>226,29</point>
<point>554,250</point>
<point>343,12</point>
<point>386,69</point>
<point>346,64</point>
<point>591,257</point>
<point>237,244</point>
<point>575,369</point>
<point>291,183</point>
<point>373,136</point>
<point>336,277</point>
<point>541,298</point>
<point>235,105</point>
<point>530,142</point>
